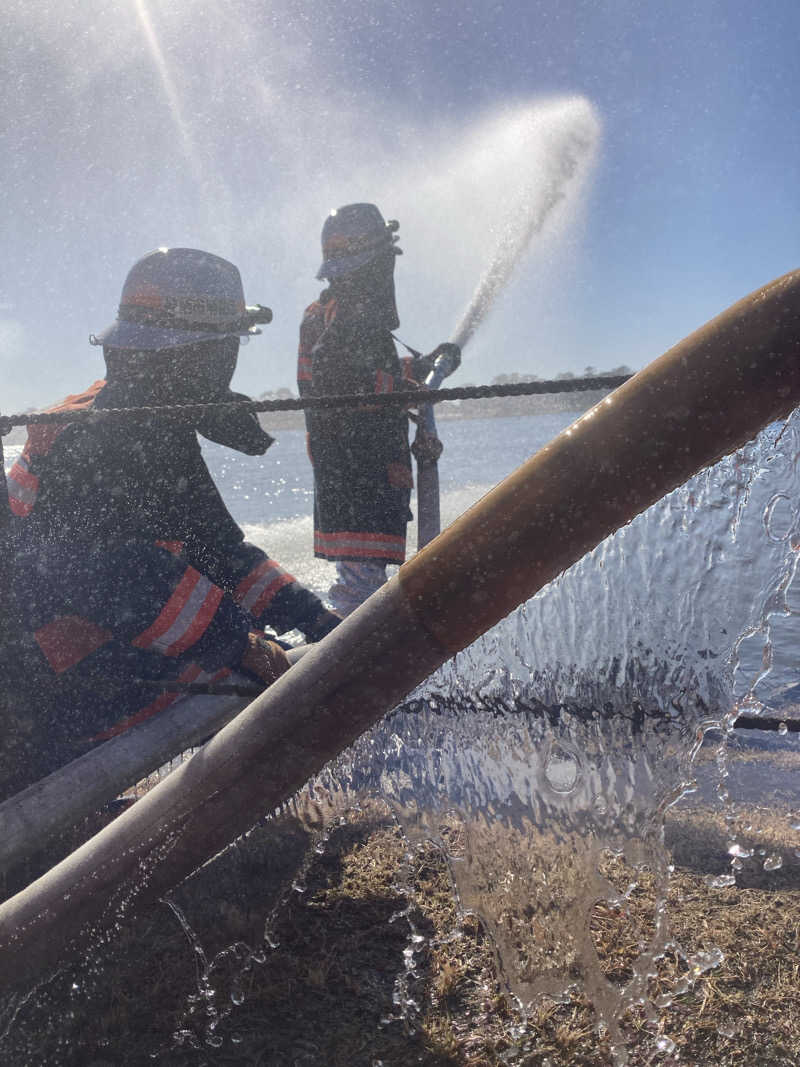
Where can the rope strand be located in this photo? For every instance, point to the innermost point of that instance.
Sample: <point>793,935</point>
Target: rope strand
<point>405,397</point>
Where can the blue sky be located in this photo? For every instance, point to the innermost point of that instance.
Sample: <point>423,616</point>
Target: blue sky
<point>236,127</point>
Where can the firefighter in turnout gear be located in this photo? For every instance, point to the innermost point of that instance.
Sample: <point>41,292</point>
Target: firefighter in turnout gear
<point>360,456</point>
<point>128,567</point>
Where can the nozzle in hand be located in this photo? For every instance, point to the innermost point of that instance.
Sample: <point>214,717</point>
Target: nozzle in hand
<point>445,359</point>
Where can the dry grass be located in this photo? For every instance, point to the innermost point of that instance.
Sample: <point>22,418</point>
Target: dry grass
<point>324,996</point>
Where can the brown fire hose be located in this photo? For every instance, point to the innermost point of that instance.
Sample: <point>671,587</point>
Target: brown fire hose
<point>706,397</point>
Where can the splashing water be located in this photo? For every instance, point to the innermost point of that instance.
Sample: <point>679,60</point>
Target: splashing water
<point>545,759</point>
<point>557,743</point>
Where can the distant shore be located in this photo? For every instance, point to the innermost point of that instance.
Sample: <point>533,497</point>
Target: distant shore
<point>484,408</point>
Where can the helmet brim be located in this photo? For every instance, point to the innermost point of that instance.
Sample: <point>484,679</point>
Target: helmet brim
<point>139,336</point>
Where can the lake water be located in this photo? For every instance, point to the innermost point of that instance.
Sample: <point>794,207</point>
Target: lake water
<point>272,496</point>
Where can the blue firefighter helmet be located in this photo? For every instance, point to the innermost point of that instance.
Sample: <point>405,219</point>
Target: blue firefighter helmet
<point>353,236</point>
<point>179,296</point>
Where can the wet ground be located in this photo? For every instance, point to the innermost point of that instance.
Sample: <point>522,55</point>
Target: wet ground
<point>368,963</point>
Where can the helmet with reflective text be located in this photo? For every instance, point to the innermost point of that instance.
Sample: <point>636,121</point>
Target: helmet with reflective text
<point>353,236</point>
<point>179,296</point>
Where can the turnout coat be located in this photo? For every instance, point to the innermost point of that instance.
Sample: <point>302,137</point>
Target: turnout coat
<point>128,569</point>
<point>360,455</point>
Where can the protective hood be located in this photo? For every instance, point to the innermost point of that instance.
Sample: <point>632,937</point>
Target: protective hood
<point>193,374</point>
<point>369,292</point>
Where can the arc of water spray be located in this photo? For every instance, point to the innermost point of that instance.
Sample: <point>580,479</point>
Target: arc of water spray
<point>525,222</point>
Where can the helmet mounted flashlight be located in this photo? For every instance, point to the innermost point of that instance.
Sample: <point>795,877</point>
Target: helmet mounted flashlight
<point>256,315</point>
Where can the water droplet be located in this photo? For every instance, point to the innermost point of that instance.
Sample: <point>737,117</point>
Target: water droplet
<point>706,961</point>
<point>773,862</point>
<point>778,518</point>
<point>719,881</point>
<point>561,769</point>
<point>739,852</point>
<point>665,1044</point>
<point>783,728</point>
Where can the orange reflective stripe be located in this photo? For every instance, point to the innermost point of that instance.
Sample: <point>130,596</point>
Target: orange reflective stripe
<point>170,612</point>
<point>23,488</point>
<point>175,547</point>
<point>259,587</point>
<point>70,639</point>
<point>361,545</point>
<point>193,673</point>
<point>184,618</point>
<point>162,701</point>
<point>384,382</point>
<point>304,369</point>
<point>76,401</point>
<point>200,623</point>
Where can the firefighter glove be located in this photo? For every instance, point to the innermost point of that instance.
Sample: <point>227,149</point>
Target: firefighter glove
<point>265,659</point>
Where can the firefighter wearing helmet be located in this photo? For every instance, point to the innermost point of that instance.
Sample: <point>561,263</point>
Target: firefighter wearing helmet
<point>128,568</point>
<point>360,455</point>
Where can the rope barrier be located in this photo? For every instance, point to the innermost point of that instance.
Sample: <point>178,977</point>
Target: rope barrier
<point>744,722</point>
<point>404,397</point>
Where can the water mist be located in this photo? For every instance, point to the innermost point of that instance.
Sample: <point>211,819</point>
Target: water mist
<point>550,150</point>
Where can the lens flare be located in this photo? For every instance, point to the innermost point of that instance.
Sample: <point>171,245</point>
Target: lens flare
<point>170,89</point>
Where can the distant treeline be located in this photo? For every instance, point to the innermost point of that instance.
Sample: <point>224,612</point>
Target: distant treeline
<point>541,404</point>
<point>564,376</point>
